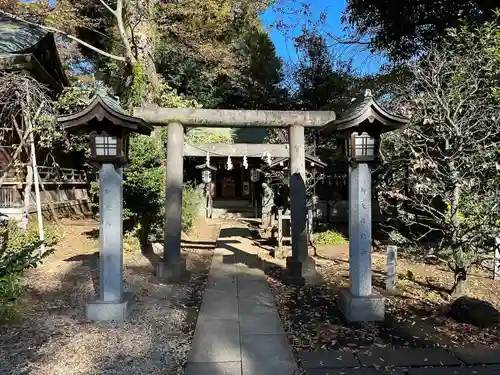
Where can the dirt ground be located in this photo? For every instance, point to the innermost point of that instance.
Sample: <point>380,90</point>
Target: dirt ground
<point>53,337</point>
<point>415,315</point>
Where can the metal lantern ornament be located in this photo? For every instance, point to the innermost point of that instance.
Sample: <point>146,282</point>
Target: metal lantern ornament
<point>206,176</point>
<point>206,172</point>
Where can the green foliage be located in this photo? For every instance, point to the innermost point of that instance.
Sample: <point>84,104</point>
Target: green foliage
<point>131,241</point>
<point>405,29</point>
<point>143,183</point>
<point>18,238</point>
<point>74,99</point>
<point>138,89</point>
<point>204,135</point>
<point>169,97</point>
<point>192,200</point>
<point>18,254</point>
<point>328,238</point>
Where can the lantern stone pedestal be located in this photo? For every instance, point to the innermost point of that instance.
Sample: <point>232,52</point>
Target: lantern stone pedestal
<point>111,303</point>
<point>362,308</point>
<point>360,303</point>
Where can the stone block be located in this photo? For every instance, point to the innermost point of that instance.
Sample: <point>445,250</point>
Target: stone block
<point>222,284</point>
<point>218,305</point>
<point>475,370</point>
<point>478,355</point>
<point>327,359</point>
<point>357,371</point>
<point>101,311</point>
<point>362,309</point>
<point>259,304</point>
<point>172,272</point>
<point>216,341</point>
<point>261,324</point>
<point>214,368</point>
<point>410,357</point>
<point>267,355</point>
<point>253,289</point>
<point>301,272</point>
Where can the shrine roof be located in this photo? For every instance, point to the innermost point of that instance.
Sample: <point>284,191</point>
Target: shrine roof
<point>17,37</point>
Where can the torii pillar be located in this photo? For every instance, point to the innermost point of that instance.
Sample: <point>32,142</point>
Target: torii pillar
<point>173,267</point>
<point>301,268</point>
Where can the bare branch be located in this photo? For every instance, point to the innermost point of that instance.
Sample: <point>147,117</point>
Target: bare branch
<point>69,36</point>
<point>107,6</point>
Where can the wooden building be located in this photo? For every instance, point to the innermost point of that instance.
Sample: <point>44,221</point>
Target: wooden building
<point>28,49</point>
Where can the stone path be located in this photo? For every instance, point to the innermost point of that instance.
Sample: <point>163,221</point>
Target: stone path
<point>431,361</point>
<point>238,331</point>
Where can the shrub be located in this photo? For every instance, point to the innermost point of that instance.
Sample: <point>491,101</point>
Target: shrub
<point>18,238</point>
<point>18,254</point>
<point>328,238</point>
<point>131,242</point>
<point>192,199</point>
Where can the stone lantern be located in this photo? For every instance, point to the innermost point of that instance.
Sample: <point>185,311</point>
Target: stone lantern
<point>108,128</point>
<point>361,126</point>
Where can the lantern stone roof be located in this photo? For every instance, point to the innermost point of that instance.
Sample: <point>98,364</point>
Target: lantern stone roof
<point>366,109</point>
<point>103,106</point>
<point>26,46</point>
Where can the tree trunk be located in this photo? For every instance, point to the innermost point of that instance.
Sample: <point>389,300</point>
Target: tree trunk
<point>142,37</point>
<point>458,289</point>
<point>145,222</point>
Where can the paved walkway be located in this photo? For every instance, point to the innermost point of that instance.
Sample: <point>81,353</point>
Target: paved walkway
<point>238,331</point>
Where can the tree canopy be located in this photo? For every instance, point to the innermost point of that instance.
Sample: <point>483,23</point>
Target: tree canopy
<point>407,28</point>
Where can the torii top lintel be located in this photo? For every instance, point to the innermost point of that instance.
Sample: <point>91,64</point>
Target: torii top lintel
<point>233,118</point>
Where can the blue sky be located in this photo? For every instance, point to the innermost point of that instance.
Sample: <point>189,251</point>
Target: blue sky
<point>362,60</point>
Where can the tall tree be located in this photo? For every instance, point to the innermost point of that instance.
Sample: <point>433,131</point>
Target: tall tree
<point>441,178</point>
<point>322,81</point>
<point>407,28</point>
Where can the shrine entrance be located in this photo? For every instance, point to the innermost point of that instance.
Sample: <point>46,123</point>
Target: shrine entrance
<point>300,266</point>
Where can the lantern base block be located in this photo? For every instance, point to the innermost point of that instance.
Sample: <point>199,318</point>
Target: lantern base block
<point>104,311</point>
<point>173,271</point>
<point>362,308</point>
<point>299,272</point>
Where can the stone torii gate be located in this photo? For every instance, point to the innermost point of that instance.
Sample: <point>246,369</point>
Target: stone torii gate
<point>300,267</point>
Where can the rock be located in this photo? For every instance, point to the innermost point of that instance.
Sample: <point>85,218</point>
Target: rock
<point>157,247</point>
<point>474,311</point>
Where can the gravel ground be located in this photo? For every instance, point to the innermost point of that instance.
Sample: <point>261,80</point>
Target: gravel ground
<point>414,316</point>
<point>52,337</point>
